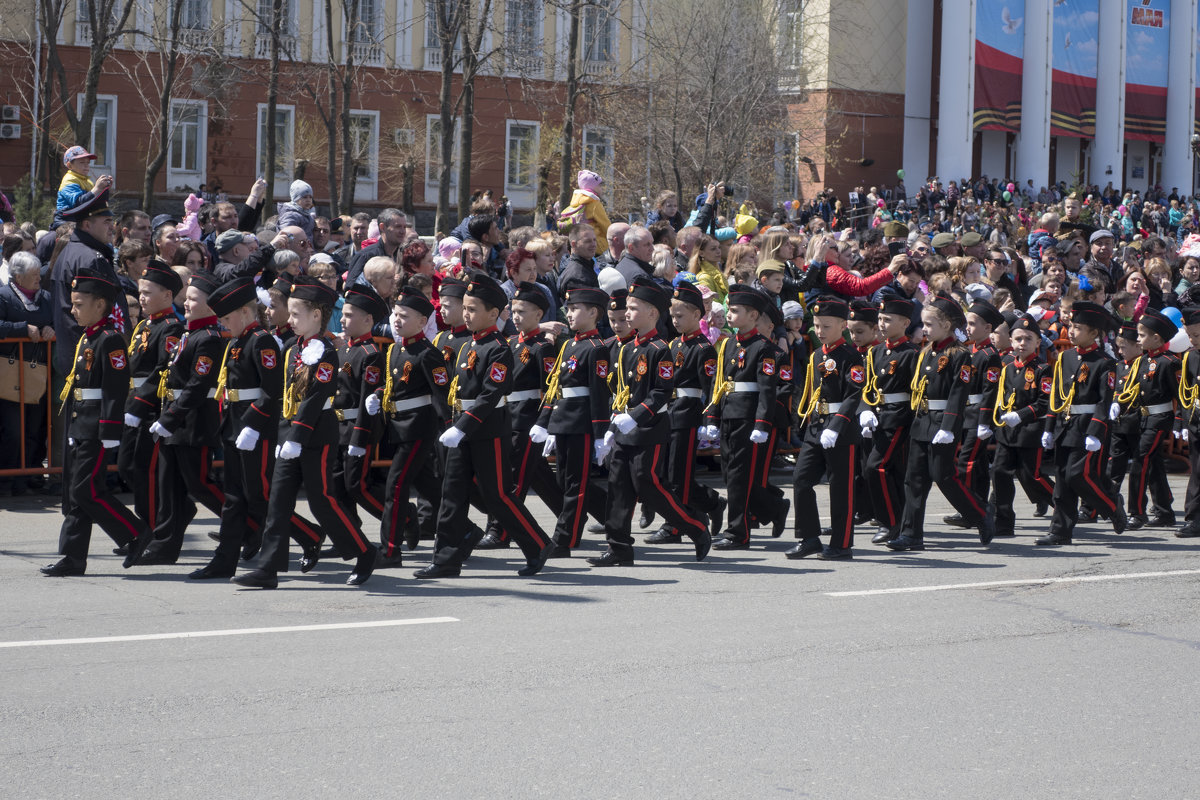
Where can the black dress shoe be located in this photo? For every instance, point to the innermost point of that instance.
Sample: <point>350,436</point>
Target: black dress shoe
<point>827,532</point>
<point>884,535</point>
<point>1120,521</point>
<point>807,547</point>
<point>646,519</point>
<point>257,579</point>
<point>135,551</point>
<point>1190,530</point>
<point>703,544</point>
<point>1041,509</point>
<point>389,562</point>
<point>251,547</point>
<point>63,568</point>
<point>611,559</point>
<point>123,550</point>
<point>1004,533</point>
<point>957,521</point>
<point>902,543</point>
<point>556,550</point>
<point>731,544</point>
<point>1052,540</point>
<point>493,541</point>
<point>595,527</point>
<point>144,555</point>
<point>717,518</point>
<point>664,536</point>
<point>1135,522</point>
<point>720,536</point>
<point>534,565</point>
<point>861,517</point>
<point>780,521</point>
<point>836,554</point>
<point>214,535</point>
<point>1162,521</point>
<point>310,556</point>
<point>1087,514</point>
<point>438,571</point>
<point>987,529</point>
<point>210,571</point>
<point>363,567</point>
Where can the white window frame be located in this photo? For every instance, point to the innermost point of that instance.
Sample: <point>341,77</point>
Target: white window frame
<point>282,179</point>
<point>366,188</point>
<point>110,141</point>
<point>611,14</point>
<point>179,178</point>
<point>605,171</point>
<point>404,32</point>
<point>432,46</point>
<point>204,8</point>
<point>522,196</point>
<point>368,48</point>
<point>289,46</point>
<point>431,177</point>
<point>792,35</point>
<point>529,61</point>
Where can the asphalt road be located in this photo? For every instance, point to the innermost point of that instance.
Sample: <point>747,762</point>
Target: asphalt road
<point>743,676</point>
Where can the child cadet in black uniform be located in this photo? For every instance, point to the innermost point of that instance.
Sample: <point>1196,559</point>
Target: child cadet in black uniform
<point>94,398</point>
<point>1077,427</point>
<point>153,344</point>
<point>1019,408</point>
<point>940,384</point>
<point>695,368</point>
<point>641,431</point>
<point>1126,428</point>
<point>277,314</point>
<point>885,415</point>
<point>741,415</point>
<point>450,295</point>
<point>1189,422</point>
<point>361,372</point>
<point>188,427</point>
<point>309,439</point>
<point>576,411</point>
<point>413,402</point>
<point>533,361</point>
<point>781,420</point>
<point>832,391</point>
<point>477,444</point>
<point>862,328</point>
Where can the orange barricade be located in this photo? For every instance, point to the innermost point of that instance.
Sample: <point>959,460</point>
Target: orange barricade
<point>50,401</point>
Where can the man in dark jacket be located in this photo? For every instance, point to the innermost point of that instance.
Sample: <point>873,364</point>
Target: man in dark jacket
<point>579,270</point>
<point>639,247</point>
<point>393,229</point>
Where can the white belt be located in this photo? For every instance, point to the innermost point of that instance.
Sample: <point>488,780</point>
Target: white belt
<point>467,405</point>
<point>974,399</point>
<point>525,394</point>
<point>1090,408</point>
<point>171,393</point>
<point>413,402</point>
<point>243,395</point>
<point>138,383</point>
<point>832,408</point>
<point>347,414</point>
<point>696,393</point>
<point>88,394</point>
<point>745,386</point>
<point>576,391</point>
<point>936,405</point>
<point>1160,408</point>
<point>897,397</point>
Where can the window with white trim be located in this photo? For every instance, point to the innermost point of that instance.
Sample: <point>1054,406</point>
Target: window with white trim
<point>104,133</point>
<point>364,145</point>
<point>186,161</point>
<point>520,161</point>
<point>600,31</point>
<point>195,15</point>
<point>523,34</point>
<point>285,131</point>
<point>433,155</point>
<point>433,42</point>
<point>792,35</point>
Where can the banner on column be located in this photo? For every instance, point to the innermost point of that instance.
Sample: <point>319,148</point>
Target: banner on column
<point>1196,30</point>
<point>1147,44</point>
<point>999,52</point>
<point>1076,42</point>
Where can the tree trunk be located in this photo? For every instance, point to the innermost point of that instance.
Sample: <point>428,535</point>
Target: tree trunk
<point>568,134</point>
<point>272,102</point>
<point>446,37</point>
<point>349,168</point>
<point>406,188</point>
<point>470,62</point>
<point>335,207</point>
<point>154,164</point>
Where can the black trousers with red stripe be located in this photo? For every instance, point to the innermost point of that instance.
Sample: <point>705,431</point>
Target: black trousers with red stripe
<point>412,467</point>
<point>1191,501</point>
<point>1080,476</point>
<point>482,463</point>
<point>581,493</point>
<point>681,472</point>
<point>635,471</point>
<point>883,473</point>
<point>1146,472</point>
<point>137,464</point>
<point>531,470</point>
<point>812,462</point>
<point>353,474</point>
<point>974,462</point>
<point>313,470</point>
<point>184,476</point>
<point>930,464</point>
<point>88,501</point>
<point>1025,464</point>
<point>744,467</point>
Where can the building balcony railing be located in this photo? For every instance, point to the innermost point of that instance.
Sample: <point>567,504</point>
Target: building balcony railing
<point>287,46</point>
<point>366,54</point>
<point>598,68</point>
<point>525,63</point>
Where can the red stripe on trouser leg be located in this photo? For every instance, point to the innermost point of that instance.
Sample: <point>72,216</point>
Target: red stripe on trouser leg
<point>846,532</point>
<point>662,490</point>
<point>216,491</point>
<point>508,501</point>
<point>771,443</point>
<point>523,469</point>
<point>366,495</point>
<point>749,484</point>
<point>969,473</point>
<point>1087,477</point>
<point>685,493</point>
<point>264,456</point>
<point>580,511</point>
<point>883,482</point>
<point>1140,502</point>
<point>100,501</point>
<point>355,534</point>
<point>391,542</point>
<point>153,494</point>
<point>1037,472</point>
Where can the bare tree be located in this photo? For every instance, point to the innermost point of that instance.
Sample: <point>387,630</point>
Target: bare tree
<point>566,148</point>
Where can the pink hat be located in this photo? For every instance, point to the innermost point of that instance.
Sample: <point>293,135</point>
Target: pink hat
<point>74,152</point>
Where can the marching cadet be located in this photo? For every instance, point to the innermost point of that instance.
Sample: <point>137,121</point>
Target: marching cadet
<point>1077,427</point>
<point>1127,426</point>
<point>695,367</point>
<point>249,387</point>
<point>1155,384</point>
<point>1021,403</point>
<point>188,427</point>
<point>862,327</point>
<point>832,390</point>
<point>94,398</point>
<point>781,420</point>
<point>743,406</point>
<point>362,365</point>
<point>309,433</point>
<point>450,295</point>
<point>477,444</point>
<point>154,342</point>
<point>576,411</point>
<point>940,384</point>
<point>973,458</point>
<point>622,331</point>
<point>641,431</point>
<point>533,361</point>
<point>1189,411</point>
<point>277,312</point>
<point>1002,336</point>
<point>887,415</point>
<point>412,399</point>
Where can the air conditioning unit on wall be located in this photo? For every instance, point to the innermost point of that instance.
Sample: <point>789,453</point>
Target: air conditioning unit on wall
<point>403,137</point>
<point>10,131</point>
<point>10,113</point>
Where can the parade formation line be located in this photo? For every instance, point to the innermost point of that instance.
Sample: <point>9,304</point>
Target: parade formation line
<point>1024,582</point>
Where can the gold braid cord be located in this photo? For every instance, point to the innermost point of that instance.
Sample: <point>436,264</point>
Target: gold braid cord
<point>917,385</point>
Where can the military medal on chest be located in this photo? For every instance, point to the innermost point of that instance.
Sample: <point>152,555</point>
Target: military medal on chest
<point>88,357</point>
<point>472,357</point>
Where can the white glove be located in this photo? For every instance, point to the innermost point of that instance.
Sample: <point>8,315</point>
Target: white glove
<point>548,448</point>
<point>158,430</point>
<point>278,447</point>
<point>1183,434</point>
<point>289,450</point>
<point>1012,419</point>
<point>538,434</point>
<point>609,440</point>
<point>374,404</point>
<point>356,451</point>
<point>759,437</point>
<point>600,451</point>
<point>1047,441</point>
<point>1114,411</point>
<point>828,438</point>
<point>943,437</point>
<point>71,442</point>
<point>110,444</point>
<point>247,439</point>
<point>452,437</point>
<point>867,433</point>
<point>132,421</point>
<point>624,422</point>
<point>1092,444</point>
<point>711,432</point>
<point>983,432</point>
<point>868,421</point>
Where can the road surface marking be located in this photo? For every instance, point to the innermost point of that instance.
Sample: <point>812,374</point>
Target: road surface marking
<point>1029,582</point>
<point>147,637</point>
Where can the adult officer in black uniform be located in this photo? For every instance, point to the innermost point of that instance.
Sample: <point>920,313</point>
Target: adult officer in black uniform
<point>361,372</point>
<point>95,395</point>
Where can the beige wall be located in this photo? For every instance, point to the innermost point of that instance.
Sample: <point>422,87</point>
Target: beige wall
<point>866,45</point>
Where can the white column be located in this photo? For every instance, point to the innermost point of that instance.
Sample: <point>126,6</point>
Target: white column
<point>1181,96</point>
<point>1107,154</point>
<point>1033,142</point>
<point>918,91</point>
<point>956,96</point>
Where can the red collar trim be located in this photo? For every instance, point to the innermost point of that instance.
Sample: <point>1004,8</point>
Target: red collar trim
<point>204,322</point>
<point>364,339</point>
<point>642,338</point>
<point>1160,351</point>
<point>92,331</point>
<point>586,334</point>
<point>696,334</point>
<point>893,345</point>
<point>166,312</point>
<point>482,334</point>
<point>1085,350</point>
<point>525,337</point>
<point>412,339</point>
<point>1022,364</point>
<point>944,343</point>
<point>457,329</point>
<point>742,338</point>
